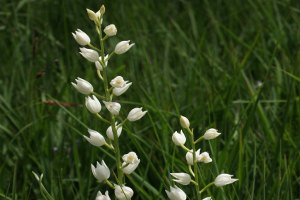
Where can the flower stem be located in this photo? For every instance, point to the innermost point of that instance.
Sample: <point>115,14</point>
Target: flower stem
<point>199,139</point>
<point>210,184</point>
<point>112,121</point>
<point>195,164</point>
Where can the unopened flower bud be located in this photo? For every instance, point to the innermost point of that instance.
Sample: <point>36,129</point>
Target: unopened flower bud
<point>81,37</point>
<point>89,54</point>
<point>123,47</point>
<point>224,179</point>
<point>110,133</point>
<point>112,107</point>
<point>136,114</point>
<point>211,134</point>
<point>176,193</point>
<point>92,15</point>
<point>102,10</point>
<point>110,30</point>
<point>122,90</point>
<point>95,138</point>
<point>178,138</point>
<point>189,157</point>
<point>123,192</point>
<point>182,178</point>
<point>117,82</point>
<point>93,104</point>
<point>83,86</point>
<point>184,122</point>
<point>101,172</point>
<point>101,196</point>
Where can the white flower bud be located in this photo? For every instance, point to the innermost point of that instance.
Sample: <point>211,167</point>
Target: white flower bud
<point>95,138</point>
<point>123,192</point>
<point>178,138</point>
<point>136,114</point>
<point>224,179</point>
<point>182,178</point>
<point>207,198</point>
<point>99,65</point>
<point>176,193</point>
<point>117,82</point>
<point>93,16</point>
<point>205,158</point>
<point>123,47</point>
<point>110,30</point>
<point>122,90</point>
<point>184,122</point>
<point>101,172</point>
<point>93,104</point>
<point>211,134</point>
<point>112,107</point>
<point>89,54</point>
<point>110,133</point>
<point>81,37</point>
<point>130,163</point>
<point>101,196</point>
<point>189,156</point>
<point>83,86</point>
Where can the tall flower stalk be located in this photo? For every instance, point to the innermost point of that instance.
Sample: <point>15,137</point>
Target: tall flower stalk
<point>193,157</point>
<point>101,58</point>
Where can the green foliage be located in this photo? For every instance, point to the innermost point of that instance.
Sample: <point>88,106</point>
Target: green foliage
<point>233,65</point>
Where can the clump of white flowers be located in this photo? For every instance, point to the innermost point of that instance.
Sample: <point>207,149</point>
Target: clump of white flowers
<point>193,157</point>
<point>127,163</point>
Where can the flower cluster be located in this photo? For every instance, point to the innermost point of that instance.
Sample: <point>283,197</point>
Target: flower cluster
<point>94,103</point>
<point>193,157</point>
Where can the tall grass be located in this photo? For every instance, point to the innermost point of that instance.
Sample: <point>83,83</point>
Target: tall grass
<point>233,65</point>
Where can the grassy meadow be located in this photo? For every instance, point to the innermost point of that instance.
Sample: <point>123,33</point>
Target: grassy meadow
<point>233,65</point>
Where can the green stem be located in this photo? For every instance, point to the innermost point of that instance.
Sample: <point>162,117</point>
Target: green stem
<point>101,118</point>
<point>93,47</point>
<point>199,139</point>
<point>195,164</point>
<point>112,122</point>
<point>210,184</point>
<point>185,148</point>
<point>109,184</point>
<point>98,95</point>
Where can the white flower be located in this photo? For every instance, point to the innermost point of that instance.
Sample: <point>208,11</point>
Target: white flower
<point>95,138</point>
<point>207,198</point>
<point>101,172</point>
<point>112,107</point>
<point>110,30</point>
<point>176,193</point>
<point>92,104</point>
<point>136,114</point>
<point>110,133</point>
<point>93,16</point>
<point>83,86</point>
<point>89,54</point>
<point>184,122</point>
<point>81,37</point>
<point>123,47</point>
<point>120,91</point>
<point>101,196</point>
<point>130,163</point>
<point>182,178</point>
<point>123,192</point>
<point>130,158</point>
<point>224,179</point>
<point>189,157</point>
<point>204,157</point>
<point>98,64</point>
<point>117,82</point>
<point>211,134</point>
<point>178,138</point>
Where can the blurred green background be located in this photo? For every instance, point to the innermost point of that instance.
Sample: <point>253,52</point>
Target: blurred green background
<point>233,65</point>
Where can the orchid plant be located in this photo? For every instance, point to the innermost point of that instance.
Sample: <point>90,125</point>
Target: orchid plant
<point>193,157</point>
<point>112,89</point>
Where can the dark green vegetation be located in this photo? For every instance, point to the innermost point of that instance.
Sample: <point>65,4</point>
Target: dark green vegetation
<point>233,65</point>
